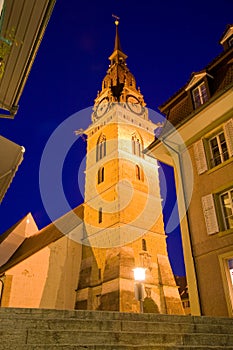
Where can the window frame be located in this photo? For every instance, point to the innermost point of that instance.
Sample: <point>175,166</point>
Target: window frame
<point>137,146</point>
<point>201,97</point>
<point>203,153</point>
<point>100,175</point>
<point>101,147</point>
<point>224,217</point>
<point>212,159</point>
<point>139,173</point>
<point>230,41</point>
<point>226,278</point>
<point>100,215</point>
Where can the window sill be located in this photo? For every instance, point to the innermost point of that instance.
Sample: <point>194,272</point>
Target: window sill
<point>219,166</point>
<point>226,232</point>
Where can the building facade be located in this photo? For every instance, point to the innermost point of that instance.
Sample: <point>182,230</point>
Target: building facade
<point>201,113</point>
<point>122,222</point>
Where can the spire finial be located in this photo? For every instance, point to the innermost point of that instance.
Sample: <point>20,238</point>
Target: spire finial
<point>117,39</point>
<point>116,19</point>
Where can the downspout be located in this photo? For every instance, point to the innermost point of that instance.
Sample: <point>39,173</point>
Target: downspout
<point>1,288</point>
<point>188,223</point>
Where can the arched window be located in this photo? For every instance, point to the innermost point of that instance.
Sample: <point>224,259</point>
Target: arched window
<point>101,147</point>
<point>137,146</point>
<point>100,175</point>
<point>144,245</point>
<point>139,173</point>
<point>100,215</point>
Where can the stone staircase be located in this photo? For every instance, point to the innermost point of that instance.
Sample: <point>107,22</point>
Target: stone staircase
<point>37,329</point>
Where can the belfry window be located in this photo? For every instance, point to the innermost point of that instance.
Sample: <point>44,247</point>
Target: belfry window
<point>101,175</point>
<point>101,148</point>
<point>139,173</point>
<point>144,245</point>
<point>136,146</point>
<point>100,215</point>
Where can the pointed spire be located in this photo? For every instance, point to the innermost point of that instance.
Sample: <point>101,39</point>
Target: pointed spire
<point>117,52</point>
<point>117,38</point>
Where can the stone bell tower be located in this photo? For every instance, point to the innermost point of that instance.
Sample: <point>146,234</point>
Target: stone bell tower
<point>122,210</point>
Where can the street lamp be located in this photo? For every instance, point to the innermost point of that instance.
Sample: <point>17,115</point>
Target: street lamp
<point>139,277</point>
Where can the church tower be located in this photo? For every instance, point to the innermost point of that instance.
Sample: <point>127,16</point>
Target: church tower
<point>122,210</point>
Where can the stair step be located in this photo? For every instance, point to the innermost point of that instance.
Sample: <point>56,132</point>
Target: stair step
<point>107,315</point>
<point>37,329</point>
<point>117,347</point>
<point>139,326</point>
<point>69,337</point>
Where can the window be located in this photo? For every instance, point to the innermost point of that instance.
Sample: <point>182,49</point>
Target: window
<point>101,148</point>
<point>139,173</point>
<point>218,211</point>
<point>136,146</point>
<point>226,200</point>
<point>230,267</point>
<point>100,175</point>
<point>230,41</point>
<point>218,148</point>
<point>144,245</point>
<point>186,304</point>
<point>215,149</point>
<point>226,266</point>
<point>100,215</point>
<point>199,95</point>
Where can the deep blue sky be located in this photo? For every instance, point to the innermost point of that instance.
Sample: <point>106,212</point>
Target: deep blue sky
<point>165,42</point>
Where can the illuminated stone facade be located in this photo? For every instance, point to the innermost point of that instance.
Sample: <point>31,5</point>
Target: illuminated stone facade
<point>123,212</point>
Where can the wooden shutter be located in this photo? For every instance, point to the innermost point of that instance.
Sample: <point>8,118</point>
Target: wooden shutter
<point>228,131</point>
<point>211,220</point>
<point>200,158</point>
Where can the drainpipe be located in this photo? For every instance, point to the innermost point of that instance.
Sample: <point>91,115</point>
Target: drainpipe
<point>195,298</point>
<point>1,287</point>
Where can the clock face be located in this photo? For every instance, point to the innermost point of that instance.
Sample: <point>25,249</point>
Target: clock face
<point>134,104</point>
<point>102,107</point>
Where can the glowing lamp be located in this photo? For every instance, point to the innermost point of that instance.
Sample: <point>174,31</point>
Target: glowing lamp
<point>139,274</point>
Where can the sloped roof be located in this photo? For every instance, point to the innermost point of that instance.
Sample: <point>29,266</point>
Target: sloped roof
<point>227,33</point>
<point>23,25</point>
<point>208,67</point>
<point>49,234</point>
<point>15,236</point>
<point>11,156</point>
<point>179,108</point>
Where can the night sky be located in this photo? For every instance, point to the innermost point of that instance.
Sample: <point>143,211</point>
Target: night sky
<point>165,42</point>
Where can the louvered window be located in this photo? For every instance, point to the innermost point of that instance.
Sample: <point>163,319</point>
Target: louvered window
<point>209,212</point>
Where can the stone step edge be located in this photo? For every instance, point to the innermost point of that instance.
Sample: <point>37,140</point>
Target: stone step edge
<point>110,346</point>
<point>34,330</point>
<point>101,314</point>
<point>229,322</point>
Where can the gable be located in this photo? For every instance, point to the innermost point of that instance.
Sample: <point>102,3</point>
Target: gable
<point>227,34</point>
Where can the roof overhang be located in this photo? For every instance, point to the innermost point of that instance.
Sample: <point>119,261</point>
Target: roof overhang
<point>22,25</point>
<point>228,33</point>
<point>218,111</point>
<point>11,155</point>
<point>196,78</point>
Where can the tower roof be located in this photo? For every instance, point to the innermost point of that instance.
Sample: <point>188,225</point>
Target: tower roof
<point>119,81</point>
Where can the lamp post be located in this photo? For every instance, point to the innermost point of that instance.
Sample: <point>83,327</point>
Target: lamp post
<point>139,277</point>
